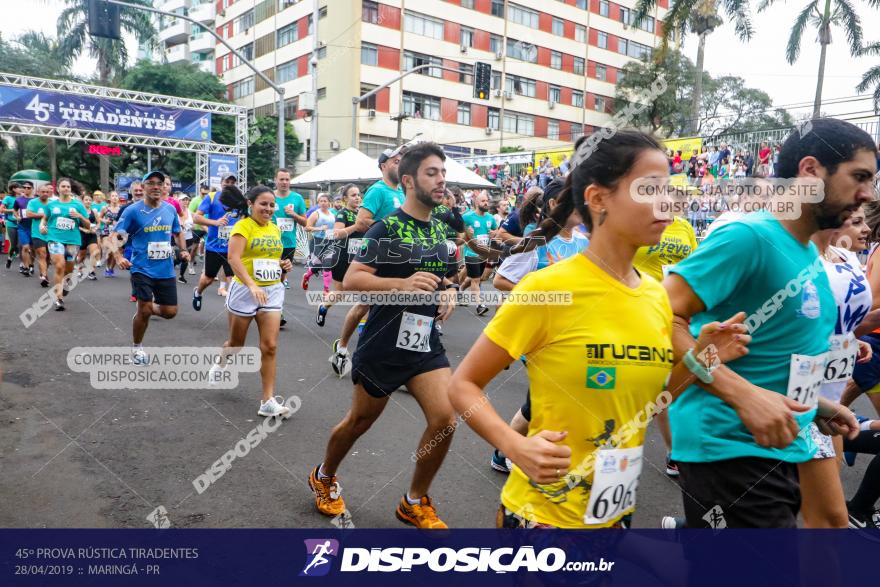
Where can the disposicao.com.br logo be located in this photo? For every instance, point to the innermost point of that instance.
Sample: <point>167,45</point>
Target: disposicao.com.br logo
<point>320,553</point>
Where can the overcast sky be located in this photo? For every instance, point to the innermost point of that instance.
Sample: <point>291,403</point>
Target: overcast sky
<point>761,62</point>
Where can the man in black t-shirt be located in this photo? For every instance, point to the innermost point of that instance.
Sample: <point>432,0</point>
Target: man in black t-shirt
<point>405,252</point>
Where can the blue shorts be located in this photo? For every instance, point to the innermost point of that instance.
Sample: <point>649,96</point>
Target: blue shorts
<point>867,375</point>
<point>24,237</point>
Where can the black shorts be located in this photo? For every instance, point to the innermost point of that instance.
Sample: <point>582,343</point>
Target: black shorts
<point>381,379</point>
<point>526,409</point>
<point>341,263</point>
<point>749,492</point>
<point>88,238</point>
<point>475,268</point>
<point>213,262</point>
<point>288,253</point>
<point>196,238</point>
<point>38,243</point>
<point>190,242</point>
<point>147,289</point>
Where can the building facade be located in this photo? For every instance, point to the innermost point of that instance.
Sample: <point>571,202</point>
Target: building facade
<point>554,63</point>
<point>182,41</point>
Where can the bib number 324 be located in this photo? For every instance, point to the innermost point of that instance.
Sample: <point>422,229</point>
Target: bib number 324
<point>415,332</point>
<point>615,481</point>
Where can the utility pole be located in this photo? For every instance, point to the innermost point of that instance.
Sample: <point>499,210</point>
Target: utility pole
<point>399,119</point>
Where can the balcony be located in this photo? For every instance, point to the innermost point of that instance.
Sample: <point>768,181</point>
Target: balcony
<point>171,5</point>
<point>177,53</point>
<point>203,43</point>
<point>205,12</point>
<point>177,32</point>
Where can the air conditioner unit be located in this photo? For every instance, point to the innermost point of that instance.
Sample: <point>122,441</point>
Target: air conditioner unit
<point>488,130</point>
<point>371,114</point>
<point>463,48</point>
<point>498,56</point>
<point>334,144</point>
<point>508,95</point>
<point>497,93</point>
<point>551,105</point>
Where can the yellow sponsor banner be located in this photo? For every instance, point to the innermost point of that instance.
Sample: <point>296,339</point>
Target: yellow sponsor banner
<point>685,145</point>
<point>555,156</point>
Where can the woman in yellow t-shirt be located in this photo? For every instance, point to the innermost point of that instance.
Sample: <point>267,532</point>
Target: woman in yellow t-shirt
<point>597,338</point>
<point>256,292</point>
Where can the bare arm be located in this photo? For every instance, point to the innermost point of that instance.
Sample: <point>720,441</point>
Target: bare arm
<point>364,220</point>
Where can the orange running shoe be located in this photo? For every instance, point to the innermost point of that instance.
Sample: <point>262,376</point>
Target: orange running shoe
<point>421,515</point>
<point>328,498</point>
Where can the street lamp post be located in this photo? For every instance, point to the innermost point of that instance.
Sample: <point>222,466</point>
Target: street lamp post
<point>279,90</point>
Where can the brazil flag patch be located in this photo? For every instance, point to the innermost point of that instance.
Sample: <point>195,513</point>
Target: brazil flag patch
<point>601,377</point>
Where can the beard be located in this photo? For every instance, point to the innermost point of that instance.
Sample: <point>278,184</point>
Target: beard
<point>393,176</point>
<point>828,216</point>
<point>424,196</point>
<point>484,208</point>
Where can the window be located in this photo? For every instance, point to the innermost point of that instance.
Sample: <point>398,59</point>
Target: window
<point>580,33</point>
<point>522,50</point>
<point>243,88</point>
<point>555,94</point>
<point>322,52</point>
<point>423,25</point>
<point>370,12</point>
<point>247,51</point>
<point>600,104</point>
<point>467,4</point>
<point>555,59</point>
<point>601,72</point>
<point>520,85</point>
<point>322,93</point>
<point>577,99</point>
<point>582,4</point>
<point>369,103</point>
<point>464,113</point>
<point>369,54</point>
<point>579,65</point>
<point>496,79</point>
<point>626,16</point>
<point>603,7</point>
<point>622,46</point>
<point>633,49</point>
<point>286,71</point>
<point>245,21</point>
<point>577,131</point>
<point>647,24</point>
<point>602,40</point>
<point>288,34</point>
<point>467,73</point>
<point>411,60</point>
<point>558,27</point>
<point>291,105</point>
<point>498,8</point>
<point>522,124</point>
<point>495,44</point>
<point>553,129</point>
<point>523,16</point>
<point>494,118</point>
<point>421,106</point>
<point>467,37</point>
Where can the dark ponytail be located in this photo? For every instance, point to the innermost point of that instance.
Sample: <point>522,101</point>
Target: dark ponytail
<point>599,161</point>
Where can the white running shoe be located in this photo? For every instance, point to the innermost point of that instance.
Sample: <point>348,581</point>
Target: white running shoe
<point>340,360</point>
<point>139,356</point>
<point>272,407</point>
<point>191,270</point>
<point>215,374</point>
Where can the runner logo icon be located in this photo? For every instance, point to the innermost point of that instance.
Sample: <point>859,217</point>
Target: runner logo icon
<point>319,555</point>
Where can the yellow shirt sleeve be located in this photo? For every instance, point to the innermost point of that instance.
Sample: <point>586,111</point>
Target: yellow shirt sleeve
<point>521,328</point>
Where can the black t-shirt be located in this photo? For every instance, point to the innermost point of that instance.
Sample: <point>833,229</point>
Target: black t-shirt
<point>451,218</point>
<point>400,246</point>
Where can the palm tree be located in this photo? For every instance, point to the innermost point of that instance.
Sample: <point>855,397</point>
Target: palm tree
<point>844,15</point>
<point>112,55</point>
<point>701,17</point>
<point>872,76</point>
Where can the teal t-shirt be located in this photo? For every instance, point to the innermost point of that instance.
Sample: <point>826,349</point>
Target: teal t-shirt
<point>35,205</point>
<point>481,225</point>
<point>287,224</point>
<point>381,199</point>
<point>741,267</point>
<point>62,228</point>
<point>8,203</point>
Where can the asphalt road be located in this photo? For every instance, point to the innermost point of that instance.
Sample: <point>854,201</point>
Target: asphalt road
<point>75,456</point>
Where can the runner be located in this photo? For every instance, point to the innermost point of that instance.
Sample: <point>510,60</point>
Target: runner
<point>381,199</point>
<point>256,292</point>
<point>320,223</point>
<point>570,466</point>
<point>37,210</point>
<point>60,226</point>
<point>198,230</point>
<point>483,226</point>
<point>89,244</point>
<point>7,208</point>
<point>107,220</point>
<point>26,266</point>
<point>188,237</point>
<point>743,467</point>
<point>290,211</point>
<point>149,225</point>
<point>399,345</point>
<point>346,241</point>
<point>219,221</point>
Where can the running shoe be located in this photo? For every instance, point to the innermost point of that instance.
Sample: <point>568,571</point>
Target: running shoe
<point>139,356</point>
<point>191,269</point>
<point>283,320</point>
<point>132,299</point>
<point>671,467</point>
<point>305,281</point>
<point>59,305</point>
<point>44,281</point>
<point>221,291</point>
<point>862,521</point>
<point>421,515</point>
<point>108,273</point>
<point>197,300</point>
<point>482,310</point>
<point>8,262</point>
<point>181,279</point>
<point>286,284</point>
<point>215,374</point>
<point>671,523</point>
<point>79,274</point>
<point>321,316</point>
<point>92,276</point>
<point>98,265</point>
<point>273,408</point>
<point>31,270</point>
<point>65,293</point>
<point>328,494</point>
<point>500,462</point>
<point>340,360</point>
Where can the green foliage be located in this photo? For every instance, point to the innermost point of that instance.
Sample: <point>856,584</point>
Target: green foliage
<point>512,149</point>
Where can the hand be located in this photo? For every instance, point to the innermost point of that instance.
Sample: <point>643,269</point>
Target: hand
<point>767,415</point>
<point>286,266</point>
<point>447,305</point>
<point>865,352</point>
<point>44,229</point>
<point>421,281</point>
<point>834,419</point>
<point>258,294</point>
<point>223,221</point>
<point>74,214</point>
<point>339,234</point>
<point>541,458</point>
<point>288,209</point>
<point>123,263</point>
<point>722,342</point>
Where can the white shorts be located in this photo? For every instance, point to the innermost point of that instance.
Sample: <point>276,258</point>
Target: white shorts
<point>823,443</point>
<point>240,302</point>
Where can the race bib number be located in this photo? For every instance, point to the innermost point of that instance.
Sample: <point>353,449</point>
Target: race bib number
<point>354,245</point>
<point>415,332</point>
<point>841,357</point>
<point>62,223</point>
<point>483,239</point>
<point>157,251</point>
<point>267,270</point>
<point>285,224</point>
<point>805,377</point>
<point>615,481</point>
<point>223,232</point>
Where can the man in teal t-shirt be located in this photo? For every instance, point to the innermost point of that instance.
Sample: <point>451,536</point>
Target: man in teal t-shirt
<point>11,225</point>
<point>290,211</point>
<point>481,223</point>
<point>739,439</point>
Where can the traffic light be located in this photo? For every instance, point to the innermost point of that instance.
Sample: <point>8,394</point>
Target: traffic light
<point>104,19</point>
<point>482,80</point>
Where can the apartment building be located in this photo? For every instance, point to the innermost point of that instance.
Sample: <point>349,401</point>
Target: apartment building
<point>182,41</point>
<point>554,63</point>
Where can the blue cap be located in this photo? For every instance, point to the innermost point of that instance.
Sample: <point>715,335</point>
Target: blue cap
<point>155,173</point>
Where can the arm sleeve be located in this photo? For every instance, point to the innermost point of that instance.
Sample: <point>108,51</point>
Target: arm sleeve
<point>520,328</point>
<point>515,267</point>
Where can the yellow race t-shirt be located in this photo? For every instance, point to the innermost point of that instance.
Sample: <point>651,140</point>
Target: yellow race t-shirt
<point>678,242</point>
<point>262,251</point>
<point>593,366</point>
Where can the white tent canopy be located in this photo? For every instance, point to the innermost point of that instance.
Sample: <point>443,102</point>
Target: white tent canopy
<point>352,166</point>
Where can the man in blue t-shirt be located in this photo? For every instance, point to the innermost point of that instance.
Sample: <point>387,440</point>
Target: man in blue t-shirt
<point>740,436</point>
<point>219,220</point>
<point>149,225</point>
